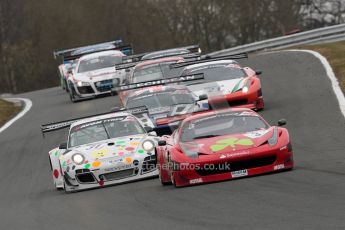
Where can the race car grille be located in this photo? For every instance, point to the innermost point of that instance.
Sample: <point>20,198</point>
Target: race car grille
<point>238,102</point>
<point>118,175</point>
<point>237,165</point>
<point>149,164</point>
<point>103,86</point>
<point>85,90</point>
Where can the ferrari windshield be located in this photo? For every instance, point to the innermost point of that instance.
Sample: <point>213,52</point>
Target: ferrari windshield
<point>100,62</point>
<point>154,72</point>
<point>104,129</point>
<point>217,72</point>
<point>220,125</point>
<point>156,100</point>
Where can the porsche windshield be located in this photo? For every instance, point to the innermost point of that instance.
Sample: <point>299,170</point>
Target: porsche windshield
<point>219,125</point>
<point>100,62</point>
<point>154,72</point>
<point>104,129</point>
<point>217,72</point>
<point>156,100</point>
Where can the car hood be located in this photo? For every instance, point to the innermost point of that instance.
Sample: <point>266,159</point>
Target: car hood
<point>218,87</point>
<point>227,144</point>
<point>100,74</point>
<point>124,148</point>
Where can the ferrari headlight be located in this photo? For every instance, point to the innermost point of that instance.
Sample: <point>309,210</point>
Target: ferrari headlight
<point>148,145</point>
<point>78,158</point>
<point>81,83</point>
<point>245,89</point>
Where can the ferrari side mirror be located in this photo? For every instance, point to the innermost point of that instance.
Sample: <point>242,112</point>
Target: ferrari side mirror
<point>281,122</point>
<point>258,72</point>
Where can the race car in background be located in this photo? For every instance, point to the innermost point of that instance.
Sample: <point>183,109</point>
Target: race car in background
<point>95,74</point>
<point>221,145</point>
<point>171,102</point>
<point>101,150</point>
<point>71,60</point>
<point>225,82</point>
<point>151,70</point>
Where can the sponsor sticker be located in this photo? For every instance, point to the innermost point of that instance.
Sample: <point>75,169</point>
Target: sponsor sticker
<point>239,173</point>
<point>196,181</point>
<point>278,167</point>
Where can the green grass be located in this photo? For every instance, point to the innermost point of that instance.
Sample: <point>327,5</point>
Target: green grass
<point>7,111</point>
<point>335,54</point>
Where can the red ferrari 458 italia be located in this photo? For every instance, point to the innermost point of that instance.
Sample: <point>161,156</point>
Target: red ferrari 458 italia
<point>223,144</point>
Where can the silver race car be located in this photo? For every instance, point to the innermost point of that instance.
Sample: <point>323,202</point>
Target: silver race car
<point>103,150</point>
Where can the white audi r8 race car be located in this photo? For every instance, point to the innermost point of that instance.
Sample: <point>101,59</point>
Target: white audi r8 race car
<point>95,74</point>
<point>102,150</point>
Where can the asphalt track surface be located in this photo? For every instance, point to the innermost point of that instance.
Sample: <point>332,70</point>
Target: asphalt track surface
<point>311,196</point>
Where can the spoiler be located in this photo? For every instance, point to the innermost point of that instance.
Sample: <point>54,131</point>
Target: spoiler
<point>164,81</point>
<point>209,58</point>
<point>74,53</point>
<point>65,124</point>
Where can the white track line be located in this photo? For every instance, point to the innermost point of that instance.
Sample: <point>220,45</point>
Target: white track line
<point>335,84</point>
<point>27,107</point>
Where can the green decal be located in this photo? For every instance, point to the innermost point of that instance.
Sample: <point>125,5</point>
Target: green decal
<point>224,143</point>
<point>64,164</point>
<point>237,86</point>
<point>120,142</point>
<point>87,166</point>
<point>56,153</point>
<point>140,151</point>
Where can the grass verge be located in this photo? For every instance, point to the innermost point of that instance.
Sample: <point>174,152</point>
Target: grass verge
<point>335,54</point>
<point>7,111</point>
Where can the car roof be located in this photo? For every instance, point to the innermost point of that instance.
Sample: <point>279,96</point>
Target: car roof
<point>162,52</point>
<point>101,117</point>
<point>224,62</point>
<point>157,61</point>
<point>103,53</point>
<point>157,89</point>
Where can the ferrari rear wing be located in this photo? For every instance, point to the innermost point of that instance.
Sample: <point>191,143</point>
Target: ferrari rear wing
<point>74,53</point>
<point>192,77</point>
<point>207,58</point>
<point>65,124</point>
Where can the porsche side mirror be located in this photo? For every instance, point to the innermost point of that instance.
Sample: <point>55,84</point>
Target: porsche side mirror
<point>148,129</point>
<point>258,72</point>
<point>281,122</point>
<point>63,145</point>
<point>162,143</point>
<point>203,97</point>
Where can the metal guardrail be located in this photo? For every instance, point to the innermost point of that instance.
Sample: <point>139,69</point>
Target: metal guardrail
<point>330,33</point>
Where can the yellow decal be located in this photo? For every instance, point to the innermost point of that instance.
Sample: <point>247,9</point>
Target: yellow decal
<point>99,153</point>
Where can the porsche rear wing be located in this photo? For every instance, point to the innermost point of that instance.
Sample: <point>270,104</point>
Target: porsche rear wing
<point>192,77</point>
<point>65,124</point>
<point>74,53</point>
<point>207,58</point>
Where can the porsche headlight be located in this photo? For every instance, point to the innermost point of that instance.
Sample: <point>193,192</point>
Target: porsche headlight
<point>148,145</point>
<point>78,158</point>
